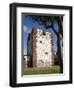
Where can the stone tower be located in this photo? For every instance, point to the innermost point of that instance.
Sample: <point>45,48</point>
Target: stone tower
<point>40,48</point>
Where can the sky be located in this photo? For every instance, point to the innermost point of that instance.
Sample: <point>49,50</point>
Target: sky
<point>28,24</point>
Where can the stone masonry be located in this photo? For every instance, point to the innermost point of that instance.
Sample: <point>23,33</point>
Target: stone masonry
<point>42,52</point>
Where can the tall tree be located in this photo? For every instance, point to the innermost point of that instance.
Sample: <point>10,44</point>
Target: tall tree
<point>48,22</point>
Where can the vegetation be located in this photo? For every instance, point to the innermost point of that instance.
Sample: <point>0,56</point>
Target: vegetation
<point>43,70</point>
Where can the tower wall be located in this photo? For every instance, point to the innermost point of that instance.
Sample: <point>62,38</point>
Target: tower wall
<point>41,48</point>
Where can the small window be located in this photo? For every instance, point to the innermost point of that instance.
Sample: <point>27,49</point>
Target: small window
<point>44,33</point>
<point>46,53</point>
<point>41,61</point>
<point>40,41</point>
<point>24,58</point>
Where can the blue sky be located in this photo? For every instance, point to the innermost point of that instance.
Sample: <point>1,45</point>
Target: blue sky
<point>28,24</point>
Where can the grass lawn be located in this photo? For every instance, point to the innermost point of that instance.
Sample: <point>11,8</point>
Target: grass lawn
<point>43,70</point>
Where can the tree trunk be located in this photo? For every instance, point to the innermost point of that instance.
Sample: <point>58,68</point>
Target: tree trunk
<point>59,54</point>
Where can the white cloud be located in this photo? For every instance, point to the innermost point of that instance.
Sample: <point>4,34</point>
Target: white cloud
<point>26,29</point>
<point>25,51</point>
